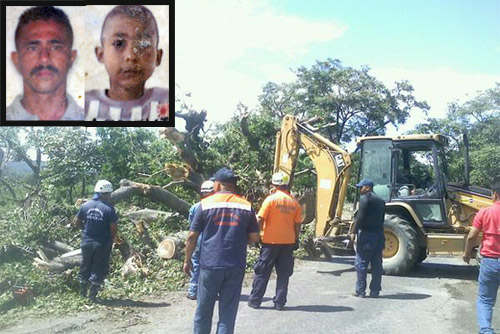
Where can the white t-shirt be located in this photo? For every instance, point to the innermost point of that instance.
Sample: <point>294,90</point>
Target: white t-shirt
<point>151,106</point>
<point>16,111</point>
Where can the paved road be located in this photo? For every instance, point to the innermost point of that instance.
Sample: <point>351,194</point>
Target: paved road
<point>438,297</point>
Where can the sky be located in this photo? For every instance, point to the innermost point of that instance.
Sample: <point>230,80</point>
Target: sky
<point>227,50</point>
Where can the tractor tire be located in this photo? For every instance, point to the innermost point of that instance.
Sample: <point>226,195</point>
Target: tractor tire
<point>401,246</point>
<point>422,255</point>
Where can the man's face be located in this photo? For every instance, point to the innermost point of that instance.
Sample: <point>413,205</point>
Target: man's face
<point>364,189</point>
<point>130,51</point>
<point>44,55</point>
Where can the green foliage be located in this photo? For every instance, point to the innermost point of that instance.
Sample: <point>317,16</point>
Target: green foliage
<point>351,100</point>
<point>480,119</point>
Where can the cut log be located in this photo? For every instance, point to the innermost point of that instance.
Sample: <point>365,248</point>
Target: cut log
<point>156,193</point>
<point>172,246</point>
<point>61,263</point>
<point>59,246</point>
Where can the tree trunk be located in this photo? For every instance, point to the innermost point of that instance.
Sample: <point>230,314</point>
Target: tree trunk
<point>128,189</point>
<point>149,215</point>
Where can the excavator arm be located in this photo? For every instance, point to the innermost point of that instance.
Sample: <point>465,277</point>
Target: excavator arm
<point>332,164</point>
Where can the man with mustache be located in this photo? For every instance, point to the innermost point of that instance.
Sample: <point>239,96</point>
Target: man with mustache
<point>43,56</point>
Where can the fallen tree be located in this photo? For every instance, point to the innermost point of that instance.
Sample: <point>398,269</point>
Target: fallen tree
<point>156,193</point>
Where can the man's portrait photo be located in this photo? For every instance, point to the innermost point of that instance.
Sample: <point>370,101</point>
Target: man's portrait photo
<point>126,59</point>
<point>45,75</point>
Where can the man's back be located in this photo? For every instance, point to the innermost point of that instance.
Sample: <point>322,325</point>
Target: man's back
<point>280,212</point>
<point>488,221</point>
<point>225,219</point>
<point>371,212</point>
<point>97,217</point>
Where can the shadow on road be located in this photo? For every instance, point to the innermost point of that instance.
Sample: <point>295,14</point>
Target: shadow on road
<point>337,272</point>
<point>318,308</point>
<point>312,308</point>
<point>130,303</point>
<point>244,298</point>
<point>403,296</point>
<point>442,270</point>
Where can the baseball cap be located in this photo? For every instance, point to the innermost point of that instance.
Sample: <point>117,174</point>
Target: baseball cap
<point>365,182</point>
<point>225,175</point>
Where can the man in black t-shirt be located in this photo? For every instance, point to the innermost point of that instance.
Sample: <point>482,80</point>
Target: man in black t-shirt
<point>369,230</point>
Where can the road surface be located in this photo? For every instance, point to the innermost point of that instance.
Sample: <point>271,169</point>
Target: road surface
<point>437,297</point>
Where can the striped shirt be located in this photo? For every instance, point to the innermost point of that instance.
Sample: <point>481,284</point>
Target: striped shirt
<point>225,219</point>
<point>151,106</point>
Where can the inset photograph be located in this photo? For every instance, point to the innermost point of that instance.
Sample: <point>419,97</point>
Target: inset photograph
<point>126,63</point>
<point>44,69</point>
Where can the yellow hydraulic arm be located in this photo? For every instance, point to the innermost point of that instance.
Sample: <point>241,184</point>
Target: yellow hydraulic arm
<point>331,162</point>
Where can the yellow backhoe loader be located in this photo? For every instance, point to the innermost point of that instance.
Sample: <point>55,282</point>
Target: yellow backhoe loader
<point>424,212</point>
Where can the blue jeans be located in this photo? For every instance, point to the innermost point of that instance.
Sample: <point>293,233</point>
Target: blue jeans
<point>489,280</point>
<point>369,249</point>
<point>226,283</point>
<point>281,257</point>
<point>195,272</point>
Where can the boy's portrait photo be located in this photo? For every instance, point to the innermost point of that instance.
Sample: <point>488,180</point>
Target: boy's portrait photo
<point>44,71</point>
<point>126,57</point>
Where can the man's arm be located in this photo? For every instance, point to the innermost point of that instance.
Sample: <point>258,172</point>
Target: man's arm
<point>470,241</point>
<point>260,221</point>
<point>78,223</point>
<point>114,230</point>
<point>253,237</point>
<point>190,246</point>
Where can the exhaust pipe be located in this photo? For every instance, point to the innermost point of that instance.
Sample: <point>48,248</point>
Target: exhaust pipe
<point>467,163</point>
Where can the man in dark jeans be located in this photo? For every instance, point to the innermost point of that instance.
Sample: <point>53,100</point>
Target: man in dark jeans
<point>369,231</point>
<point>98,219</point>
<point>228,224</point>
<point>279,218</point>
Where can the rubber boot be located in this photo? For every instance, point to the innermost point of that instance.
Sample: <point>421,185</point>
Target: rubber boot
<point>94,289</point>
<point>83,289</point>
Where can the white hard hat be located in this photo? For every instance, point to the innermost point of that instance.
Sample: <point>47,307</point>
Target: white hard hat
<point>280,179</point>
<point>103,186</point>
<point>207,187</point>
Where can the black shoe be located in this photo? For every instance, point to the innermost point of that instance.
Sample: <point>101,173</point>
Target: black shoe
<point>83,289</point>
<point>360,295</point>
<point>373,295</point>
<point>192,297</point>
<point>94,289</point>
<point>254,306</point>
<point>279,307</point>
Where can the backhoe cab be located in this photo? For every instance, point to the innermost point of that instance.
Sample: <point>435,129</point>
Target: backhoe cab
<point>424,213</point>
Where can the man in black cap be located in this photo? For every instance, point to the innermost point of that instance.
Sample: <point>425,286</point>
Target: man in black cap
<point>228,224</point>
<point>368,228</point>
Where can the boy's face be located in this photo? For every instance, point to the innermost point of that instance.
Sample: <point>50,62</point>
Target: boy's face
<point>44,55</point>
<point>129,51</point>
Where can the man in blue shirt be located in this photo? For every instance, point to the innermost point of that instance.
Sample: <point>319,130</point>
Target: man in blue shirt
<point>98,219</point>
<point>228,224</point>
<point>207,188</point>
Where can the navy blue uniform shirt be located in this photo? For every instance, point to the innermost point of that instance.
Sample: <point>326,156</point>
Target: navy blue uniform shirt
<point>97,216</point>
<point>370,215</point>
<point>225,219</point>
